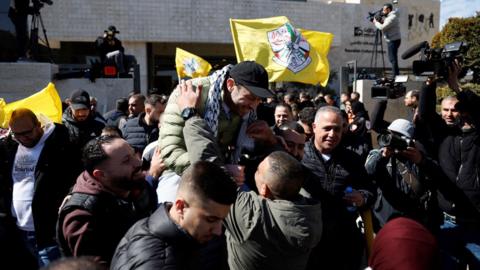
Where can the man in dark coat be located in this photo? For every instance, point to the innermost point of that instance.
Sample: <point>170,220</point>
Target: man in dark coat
<point>110,47</point>
<point>170,238</point>
<point>81,124</point>
<point>108,197</point>
<point>143,129</point>
<point>331,169</point>
<point>36,173</point>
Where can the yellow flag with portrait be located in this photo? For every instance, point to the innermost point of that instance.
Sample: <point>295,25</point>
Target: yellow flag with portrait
<point>287,53</point>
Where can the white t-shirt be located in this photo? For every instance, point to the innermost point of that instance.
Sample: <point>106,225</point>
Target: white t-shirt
<point>23,175</point>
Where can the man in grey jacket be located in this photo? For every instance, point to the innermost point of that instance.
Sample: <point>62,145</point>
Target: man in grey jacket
<point>391,32</point>
<point>277,228</point>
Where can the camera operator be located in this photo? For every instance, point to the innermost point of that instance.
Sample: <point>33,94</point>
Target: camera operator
<point>404,187</point>
<point>110,50</point>
<point>18,14</point>
<point>459,159</point>
<point>389,24</point>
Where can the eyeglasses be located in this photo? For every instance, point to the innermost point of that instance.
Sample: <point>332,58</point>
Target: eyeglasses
<point>23,133</point>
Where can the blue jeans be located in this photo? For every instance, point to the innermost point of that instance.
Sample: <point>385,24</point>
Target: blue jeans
<point>459,246</point>
<point>393,55</point>
<point>45,255</point>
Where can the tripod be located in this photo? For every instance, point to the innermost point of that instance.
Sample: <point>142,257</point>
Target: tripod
<point>373,60</point>
<point>35,38</point>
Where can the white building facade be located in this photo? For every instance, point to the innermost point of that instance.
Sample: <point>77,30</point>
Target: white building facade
<point>152,29</point>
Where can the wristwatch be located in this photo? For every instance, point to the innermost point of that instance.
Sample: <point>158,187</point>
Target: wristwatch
<point>188,112</point>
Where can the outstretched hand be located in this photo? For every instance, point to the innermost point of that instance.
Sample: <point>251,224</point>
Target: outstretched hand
<point>188,98</point>
<point>260,131</point>
<point>453,71</point>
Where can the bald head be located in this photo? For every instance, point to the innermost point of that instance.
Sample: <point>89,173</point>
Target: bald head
<point>25,127</point>
<point>279,176</point>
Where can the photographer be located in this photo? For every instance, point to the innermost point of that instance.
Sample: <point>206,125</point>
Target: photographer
<point>404,187</point>
<point>110,50</point>
<point>389,24</point>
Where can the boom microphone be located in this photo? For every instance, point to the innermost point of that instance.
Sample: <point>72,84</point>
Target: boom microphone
<point>414,50</point>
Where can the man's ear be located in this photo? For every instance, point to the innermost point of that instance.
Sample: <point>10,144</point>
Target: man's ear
<point>264,191</point>
<point>98,174</point>
<point>230,84</point>
<point>148,109</point>
<point>180,207</point>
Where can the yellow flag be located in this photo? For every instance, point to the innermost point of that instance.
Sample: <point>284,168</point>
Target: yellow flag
<point>288,54</point>
<point>46,102</point>
<point>190,65</point>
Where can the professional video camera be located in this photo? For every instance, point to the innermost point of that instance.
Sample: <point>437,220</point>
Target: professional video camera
<point>377,15</point>
<point>436,60</point>
<point>385,88</point>
<point>38,4</point>
<point>394,141</point>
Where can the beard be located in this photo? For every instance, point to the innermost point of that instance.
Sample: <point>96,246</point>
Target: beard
<point>134,181</point>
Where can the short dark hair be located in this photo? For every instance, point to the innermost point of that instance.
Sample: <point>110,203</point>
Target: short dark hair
<point>138,97</point>
<point>122,104</point>
<point>415,93</point>
<point>111,130</point>
<point>206,180</point>
<point>284,105</point>
<point>93,153</point>
<point>154,98</point>
<point>75,263</point>
<point>389,6</point>
<point>357,94</point>
<point>307,115</point>
<point>285,175</point>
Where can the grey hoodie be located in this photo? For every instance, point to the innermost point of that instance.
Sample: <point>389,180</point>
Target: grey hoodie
<point>272,234</point>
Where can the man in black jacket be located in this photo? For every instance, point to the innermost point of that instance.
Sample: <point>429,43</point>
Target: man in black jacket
<point>110,48</point>
<point>171,237</point>
<point>143,129</point>
<point>332,169</point>
<point>36,173</point>
<point>80,122</point>
<point>107,198</point>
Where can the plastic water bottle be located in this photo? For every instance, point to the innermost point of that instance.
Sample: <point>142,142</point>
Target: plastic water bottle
<point>350,208</point>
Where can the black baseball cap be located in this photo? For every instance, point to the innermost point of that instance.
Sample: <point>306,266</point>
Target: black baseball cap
<point>253,76</point>
<point>80,99</point>
<point>112,29</point>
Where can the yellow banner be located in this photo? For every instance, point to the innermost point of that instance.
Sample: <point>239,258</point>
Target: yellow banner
<point>190,65</point>
<point>288,54</point>
<point>45,102</point>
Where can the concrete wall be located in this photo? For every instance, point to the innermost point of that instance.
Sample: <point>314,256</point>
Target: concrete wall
<point>20,80</point>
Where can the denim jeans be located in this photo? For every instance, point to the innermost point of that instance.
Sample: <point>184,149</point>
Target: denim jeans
<point>459,246</point>
<point>393,55</point>
<point>45,255</point>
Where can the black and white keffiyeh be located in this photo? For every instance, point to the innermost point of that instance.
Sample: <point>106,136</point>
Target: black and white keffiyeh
<point>214,105</point>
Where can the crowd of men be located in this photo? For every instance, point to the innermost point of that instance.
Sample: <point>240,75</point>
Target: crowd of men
<point>223,175</point>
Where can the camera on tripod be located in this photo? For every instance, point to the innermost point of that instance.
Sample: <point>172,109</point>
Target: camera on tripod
<point>385,88</point>
<point>377,15</point>
<point>437,60</point>
<point>38,4</point>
